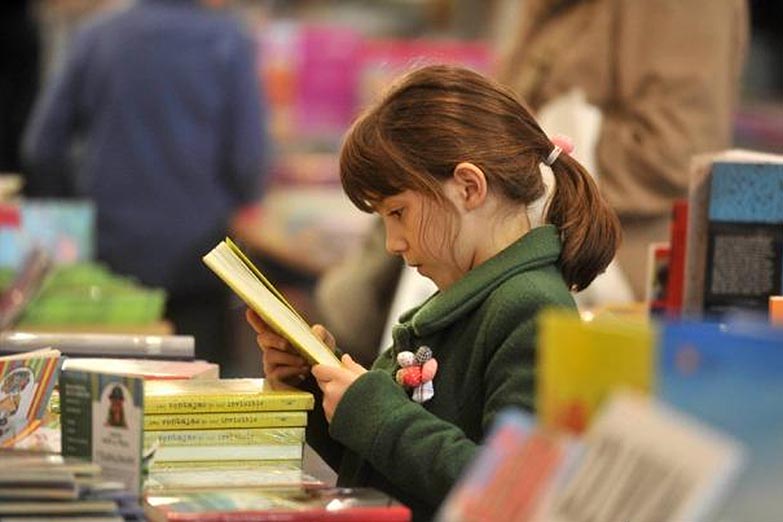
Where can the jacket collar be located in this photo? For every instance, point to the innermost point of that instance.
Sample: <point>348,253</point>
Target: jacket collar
<point>539,247</point>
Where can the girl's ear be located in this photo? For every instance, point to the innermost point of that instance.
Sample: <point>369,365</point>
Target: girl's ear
<point>471,184</point>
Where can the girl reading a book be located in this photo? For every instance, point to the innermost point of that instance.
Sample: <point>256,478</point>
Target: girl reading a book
<point>451,162</point>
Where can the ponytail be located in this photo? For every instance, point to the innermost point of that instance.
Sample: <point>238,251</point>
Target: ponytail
<point>589,228</point>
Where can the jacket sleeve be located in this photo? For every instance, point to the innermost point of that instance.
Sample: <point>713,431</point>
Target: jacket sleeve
<point>416,450</point>
<point>52,131</point>
<point>247,142</point>
<point>676,77</point>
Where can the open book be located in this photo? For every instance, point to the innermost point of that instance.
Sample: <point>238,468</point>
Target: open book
<point>239,273</point>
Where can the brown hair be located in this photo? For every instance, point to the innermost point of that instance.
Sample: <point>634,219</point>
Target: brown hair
<point>438,116</point>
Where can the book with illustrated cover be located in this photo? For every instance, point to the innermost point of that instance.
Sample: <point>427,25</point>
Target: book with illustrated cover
<point>222,395</point>
<point>101,417</point>
<point>580,363</point>
<point>242,276</point>
<point>310,504</point>
<point>150,369</point>
<point>247,419</point>
<point>26,383</point>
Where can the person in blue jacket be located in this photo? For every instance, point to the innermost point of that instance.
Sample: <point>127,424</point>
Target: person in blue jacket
<point>449,160</point>
<point>157,116</point>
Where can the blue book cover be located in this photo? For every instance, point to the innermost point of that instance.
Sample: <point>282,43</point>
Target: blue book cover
<point>731,377</point>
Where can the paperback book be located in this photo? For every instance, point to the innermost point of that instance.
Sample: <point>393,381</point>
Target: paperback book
<point>223,395</point>
<point>242,276</point>
<point>26,384</point>
<point>101,344</point>
<point>102,420</point>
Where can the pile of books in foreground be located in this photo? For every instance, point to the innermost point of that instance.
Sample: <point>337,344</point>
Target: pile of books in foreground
<point>39,486</point>
<point>227,432</point>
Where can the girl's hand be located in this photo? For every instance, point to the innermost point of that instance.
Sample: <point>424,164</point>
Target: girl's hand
<point>283,367</point>
<point>334,381</point>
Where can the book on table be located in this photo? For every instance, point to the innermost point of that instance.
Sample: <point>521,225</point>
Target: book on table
<point>26,384</point>
<point>247,281</point>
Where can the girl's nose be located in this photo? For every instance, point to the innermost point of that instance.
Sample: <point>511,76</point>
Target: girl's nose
<point>395,244</point>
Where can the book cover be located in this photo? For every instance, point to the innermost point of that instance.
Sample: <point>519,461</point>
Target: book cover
<point>222,395</point>
<point>101,418</point>
<point>734,240</point>
<point>242,276</point>
<point>580,363</point>
<point>26,383</point>
<point>229,437</point>
<point>150,369</point>
<point>248,419</point>
<point>644,461</point>
<point>730,375</point>
<point>290,504</point>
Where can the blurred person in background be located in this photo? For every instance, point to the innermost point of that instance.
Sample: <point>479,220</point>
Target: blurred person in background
<point>664,75</point>
<point>157,116</point>
<point>19,75</point>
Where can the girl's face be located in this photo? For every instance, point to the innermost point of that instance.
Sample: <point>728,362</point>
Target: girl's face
<point>424,235</point>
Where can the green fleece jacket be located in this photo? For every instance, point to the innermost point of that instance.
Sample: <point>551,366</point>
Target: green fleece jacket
<point>482,331</point>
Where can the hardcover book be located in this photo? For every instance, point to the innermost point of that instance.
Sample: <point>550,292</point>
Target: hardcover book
<point>242,276</point>
<point>26,384</point>
<point>102,420</point>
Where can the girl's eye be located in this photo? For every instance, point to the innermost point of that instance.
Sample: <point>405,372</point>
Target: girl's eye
<point>396,213</point>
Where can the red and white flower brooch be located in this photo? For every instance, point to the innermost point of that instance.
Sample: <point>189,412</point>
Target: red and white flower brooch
<point>416,373</point>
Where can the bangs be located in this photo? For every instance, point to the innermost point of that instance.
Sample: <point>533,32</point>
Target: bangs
<point>368,169</point>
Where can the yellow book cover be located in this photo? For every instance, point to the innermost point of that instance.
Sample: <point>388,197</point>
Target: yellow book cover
<point>244,278</point>
<point>580,363</point>
<point>220,395</point>
<point>250,419</point>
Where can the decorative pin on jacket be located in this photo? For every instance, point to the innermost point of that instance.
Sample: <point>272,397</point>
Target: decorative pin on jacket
<point>416,373</point>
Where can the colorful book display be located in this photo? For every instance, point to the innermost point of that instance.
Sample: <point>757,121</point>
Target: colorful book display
<point>26,383</point>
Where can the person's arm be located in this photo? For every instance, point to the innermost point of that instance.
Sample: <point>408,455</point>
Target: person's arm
<point>47,147</point>
<point>247,141</point>
<point>676,74</point>
<point>416,450</point>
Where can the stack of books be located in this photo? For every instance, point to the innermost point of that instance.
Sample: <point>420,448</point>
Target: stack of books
<point>223,432</point>
<point>40,486</point>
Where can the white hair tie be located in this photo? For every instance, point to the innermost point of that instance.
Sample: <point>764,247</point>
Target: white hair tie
<point>553,156</point>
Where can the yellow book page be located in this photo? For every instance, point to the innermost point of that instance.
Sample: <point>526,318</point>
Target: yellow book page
<point>248,283</point>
